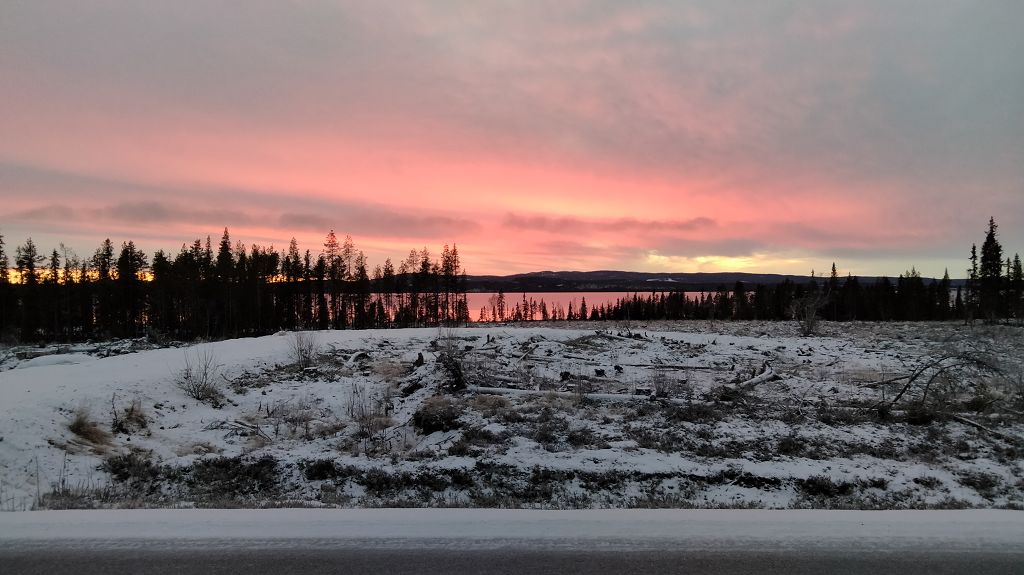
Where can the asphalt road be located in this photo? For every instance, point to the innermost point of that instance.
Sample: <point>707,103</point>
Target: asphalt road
<point>452,542</point>
<point>159,560</point>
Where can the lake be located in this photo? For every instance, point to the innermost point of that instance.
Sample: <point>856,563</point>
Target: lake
<point>553,300</point>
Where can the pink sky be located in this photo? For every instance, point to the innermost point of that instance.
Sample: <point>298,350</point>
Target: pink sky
<point>579,135</point>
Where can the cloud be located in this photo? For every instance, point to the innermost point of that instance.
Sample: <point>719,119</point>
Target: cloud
<point>160,212</point>
<point>374,222</point>
<point>574,225</point>
<point>47,213</point>
<point>881,127</point>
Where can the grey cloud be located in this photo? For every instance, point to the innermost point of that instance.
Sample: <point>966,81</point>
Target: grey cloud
<point>921,100</point>
<point>728,247</point>
<point>47,213</point>
<point>867,89</point>
<point>570,225</point>
<point>374,221</point>
<point>159,212</point>
<point>560,249</point>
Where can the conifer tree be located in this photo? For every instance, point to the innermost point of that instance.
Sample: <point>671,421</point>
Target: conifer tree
<point>26,261</point>
<point>1017,289</point>
<point>971,303</point>
<point>5,264</point>
<point>990,274</point>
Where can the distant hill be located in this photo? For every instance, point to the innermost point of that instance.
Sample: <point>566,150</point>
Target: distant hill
<point>610,280</point>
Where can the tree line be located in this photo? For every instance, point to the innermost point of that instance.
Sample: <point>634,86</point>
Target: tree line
<point>230,290</point>
<point>994,291</point>
<point>234,290</point>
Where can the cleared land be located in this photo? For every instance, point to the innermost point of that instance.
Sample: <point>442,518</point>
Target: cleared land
<point>687,414</point>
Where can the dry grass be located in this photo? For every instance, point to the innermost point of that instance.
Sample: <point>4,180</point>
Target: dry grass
<point>197,448</point>
<point>389,371</point>
<point>130,419</point>
<point>490,405</point>
<point>86,429</point>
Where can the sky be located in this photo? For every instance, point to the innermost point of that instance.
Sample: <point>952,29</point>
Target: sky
<point>665,136</point>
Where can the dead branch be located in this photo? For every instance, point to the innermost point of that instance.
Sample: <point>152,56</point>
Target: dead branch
<point>989,430</point>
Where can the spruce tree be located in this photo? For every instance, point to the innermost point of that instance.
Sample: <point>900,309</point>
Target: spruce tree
<point>26,262</point>
<point>1017,289</point>
<point>6,319</point>
<point>5,264</point>
<point>971,303</point>
<point>990,274</point>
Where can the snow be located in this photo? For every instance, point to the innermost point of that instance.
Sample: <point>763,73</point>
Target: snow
<point>691,529</point>
<point>39,397</point>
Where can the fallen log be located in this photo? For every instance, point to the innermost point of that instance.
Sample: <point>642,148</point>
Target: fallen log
<point>989,430</point>
<point>624,397</point>
<point>767,375</point>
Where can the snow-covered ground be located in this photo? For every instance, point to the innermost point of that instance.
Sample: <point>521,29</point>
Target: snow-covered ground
<point>748,414</point>
<point>480,528</point>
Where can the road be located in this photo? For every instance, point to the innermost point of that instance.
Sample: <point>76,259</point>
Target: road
<point>488,541</point>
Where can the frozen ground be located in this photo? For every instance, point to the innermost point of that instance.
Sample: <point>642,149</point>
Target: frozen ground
<point>686,414</point>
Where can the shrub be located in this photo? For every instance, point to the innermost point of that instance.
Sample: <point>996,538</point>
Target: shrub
<point>581,437</point>
<point>451,365</point>
<point>324,469</point>
<point>304,348</point>
<point>475,438</point>
<point>823,486</point>
<point>490,405</point>
<point>928,482</point>
<point>984,483</point>
<point>790,445</point>
<point>198,378</point>
<point>319,470</point>
<point>805,311</point>
<point>875,483</point>
<point>921,415</point>
<point>134,468</point>
<point>229,478</point>
<point>436,414</point>
<point>380,483</point>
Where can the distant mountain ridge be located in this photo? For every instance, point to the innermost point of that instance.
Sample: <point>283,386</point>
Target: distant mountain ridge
<point>611,280</point>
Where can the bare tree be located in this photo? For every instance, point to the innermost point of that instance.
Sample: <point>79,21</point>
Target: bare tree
<point>305,348</point>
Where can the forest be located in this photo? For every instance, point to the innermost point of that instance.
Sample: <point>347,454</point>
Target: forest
<point>234,290</point>
<point>222,292</point>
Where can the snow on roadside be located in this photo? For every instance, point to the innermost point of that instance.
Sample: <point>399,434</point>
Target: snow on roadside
<point>411,528</point>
